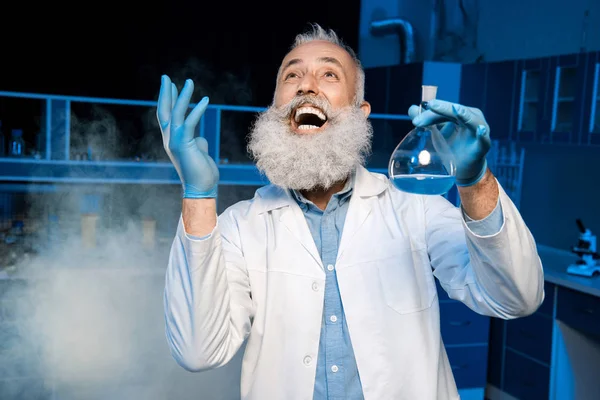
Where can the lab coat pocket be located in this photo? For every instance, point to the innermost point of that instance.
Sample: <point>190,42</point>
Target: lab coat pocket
<point>407,281</point>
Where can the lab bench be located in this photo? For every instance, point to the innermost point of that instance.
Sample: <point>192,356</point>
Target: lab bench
<point>555,352</point>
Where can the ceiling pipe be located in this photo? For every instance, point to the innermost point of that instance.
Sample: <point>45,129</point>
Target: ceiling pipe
<point>403,29</point>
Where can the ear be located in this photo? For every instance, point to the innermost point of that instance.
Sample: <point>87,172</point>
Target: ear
<point>366,108</point>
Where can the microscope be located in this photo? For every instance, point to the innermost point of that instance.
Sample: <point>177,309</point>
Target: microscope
<point>587,265</point>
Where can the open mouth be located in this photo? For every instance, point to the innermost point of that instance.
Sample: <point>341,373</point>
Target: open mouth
<point>308,118</point>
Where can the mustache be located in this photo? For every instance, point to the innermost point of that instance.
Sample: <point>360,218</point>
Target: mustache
<point>287,110</point>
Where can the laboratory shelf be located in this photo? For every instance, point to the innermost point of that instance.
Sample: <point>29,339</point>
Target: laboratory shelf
<point>24,170</point>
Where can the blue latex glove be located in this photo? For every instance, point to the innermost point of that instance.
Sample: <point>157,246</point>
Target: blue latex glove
<point>466,132</point>
<point>197,170</point>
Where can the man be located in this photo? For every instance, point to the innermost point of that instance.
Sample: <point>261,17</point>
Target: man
<point>328,272</point>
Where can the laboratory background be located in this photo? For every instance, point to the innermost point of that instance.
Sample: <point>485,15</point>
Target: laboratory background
<point>89,201</point>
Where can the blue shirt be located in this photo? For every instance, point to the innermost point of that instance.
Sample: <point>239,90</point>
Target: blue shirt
<point>337,375</point>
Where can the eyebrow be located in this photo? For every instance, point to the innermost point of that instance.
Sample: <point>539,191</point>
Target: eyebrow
<point>324,60</point>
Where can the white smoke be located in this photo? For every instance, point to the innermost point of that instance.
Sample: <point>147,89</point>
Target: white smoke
<point>82,316</point>
<point>83,319</point>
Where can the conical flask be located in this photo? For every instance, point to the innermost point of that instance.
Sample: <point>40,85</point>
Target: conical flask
<point>423,163</point>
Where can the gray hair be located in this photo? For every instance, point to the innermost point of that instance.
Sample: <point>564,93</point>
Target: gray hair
<point>317,33</point>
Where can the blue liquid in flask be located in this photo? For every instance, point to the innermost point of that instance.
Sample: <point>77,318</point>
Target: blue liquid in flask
<point>424,183</point>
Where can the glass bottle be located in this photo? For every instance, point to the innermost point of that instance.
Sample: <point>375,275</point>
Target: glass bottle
<point>17,144</point>
<point>423,163</point>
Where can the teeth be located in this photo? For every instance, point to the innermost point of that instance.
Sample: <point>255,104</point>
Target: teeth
<point>310,110</point>
<point>306,127</point>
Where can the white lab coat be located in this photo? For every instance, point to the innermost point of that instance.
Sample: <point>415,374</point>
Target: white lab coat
<point>259,277</point>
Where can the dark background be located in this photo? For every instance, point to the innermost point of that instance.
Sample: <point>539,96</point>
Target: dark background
<point>120,49</point>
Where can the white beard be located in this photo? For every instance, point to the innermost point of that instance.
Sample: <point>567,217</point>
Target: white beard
<point>316,160</point>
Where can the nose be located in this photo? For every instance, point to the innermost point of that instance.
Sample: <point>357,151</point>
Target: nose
<point>308,85</point>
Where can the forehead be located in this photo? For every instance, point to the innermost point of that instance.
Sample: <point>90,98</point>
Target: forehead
<point>316,52</point>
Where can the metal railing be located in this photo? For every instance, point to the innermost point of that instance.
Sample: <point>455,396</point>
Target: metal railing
<point>55,162</point>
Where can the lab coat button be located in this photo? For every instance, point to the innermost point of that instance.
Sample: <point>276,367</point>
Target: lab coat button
<point>307,360</point>
<point>334,368</point>
<point>315,286</point>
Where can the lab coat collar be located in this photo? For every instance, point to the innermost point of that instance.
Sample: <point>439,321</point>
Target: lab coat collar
<point>273,197</point>
<point>369,184</point>
<point>366,184</point>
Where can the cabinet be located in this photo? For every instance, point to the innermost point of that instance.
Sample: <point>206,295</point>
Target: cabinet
<point>523,345</point>
<point>543,100</point>
<point>465,335</point>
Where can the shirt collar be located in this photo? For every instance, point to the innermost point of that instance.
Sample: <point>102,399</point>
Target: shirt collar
<point>366,184</point>
<point>341,196</point>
